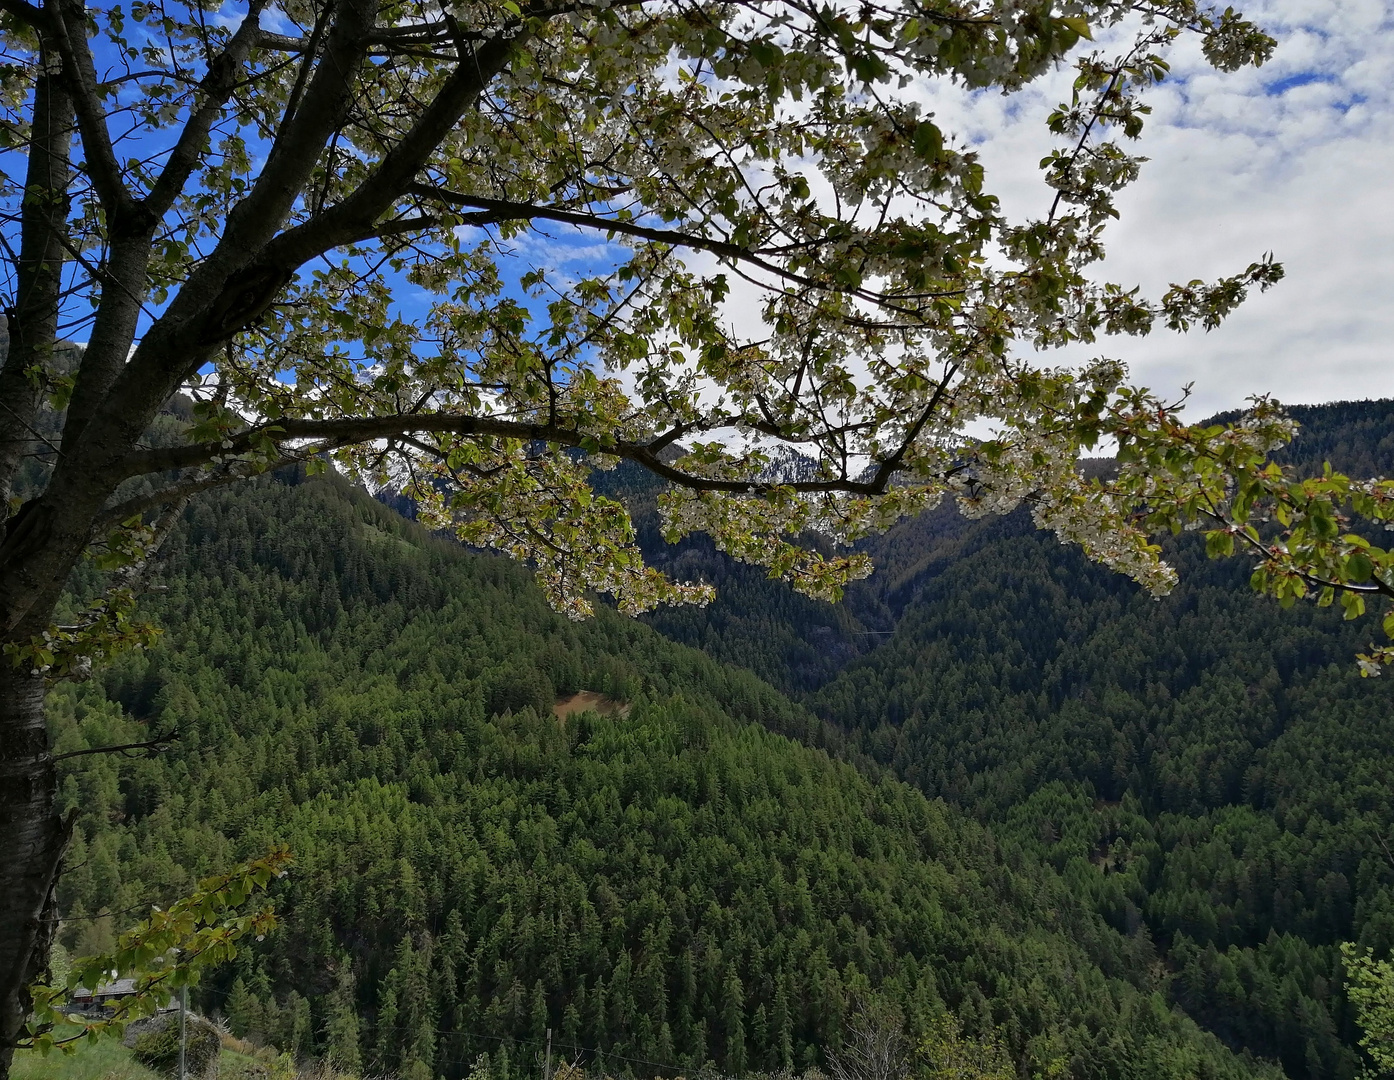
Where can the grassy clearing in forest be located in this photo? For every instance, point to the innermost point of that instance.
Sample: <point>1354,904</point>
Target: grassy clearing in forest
<point>105,1060</point>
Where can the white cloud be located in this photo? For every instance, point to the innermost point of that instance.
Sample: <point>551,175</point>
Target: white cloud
<point>1295,157</point>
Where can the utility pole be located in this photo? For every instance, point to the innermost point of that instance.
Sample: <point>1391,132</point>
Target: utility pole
<point>183,1003</point>
<point>547,1067</point>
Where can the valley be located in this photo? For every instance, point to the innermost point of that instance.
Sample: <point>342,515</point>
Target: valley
<point>994,782</point>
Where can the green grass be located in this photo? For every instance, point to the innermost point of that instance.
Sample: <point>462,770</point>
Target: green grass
<point>233,1065</point>
<point>104,1060</point>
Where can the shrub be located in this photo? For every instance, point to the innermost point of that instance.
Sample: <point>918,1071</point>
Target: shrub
<point>157,1044</point>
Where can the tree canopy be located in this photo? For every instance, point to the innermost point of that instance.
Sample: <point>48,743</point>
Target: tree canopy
<point>312,219</point>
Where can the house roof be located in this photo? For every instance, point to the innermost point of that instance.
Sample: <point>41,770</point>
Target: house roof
<point>119,988</point>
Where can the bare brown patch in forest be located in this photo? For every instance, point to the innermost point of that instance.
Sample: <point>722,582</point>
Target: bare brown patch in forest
<point>588,701</point>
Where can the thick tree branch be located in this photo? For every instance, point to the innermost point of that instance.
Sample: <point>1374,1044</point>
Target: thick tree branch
<point>401,226</point>
<point>307,64</point>
<point>151,747</point>
<point>520,211</point>
<point>83,85</point>
<point>349,430</point>
<point>265,39</point>
<point>32,321</point>
<point>506,210</point>
<point>26,12</point>
<point>217,87</point>
<point>399,166</point>
<point>220,292</point>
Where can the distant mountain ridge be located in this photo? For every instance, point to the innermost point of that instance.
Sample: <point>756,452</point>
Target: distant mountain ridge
<point>798,644</point>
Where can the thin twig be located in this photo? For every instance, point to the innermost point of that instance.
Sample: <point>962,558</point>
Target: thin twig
<point>158,745</point>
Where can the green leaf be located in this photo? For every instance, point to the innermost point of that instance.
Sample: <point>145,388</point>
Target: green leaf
<point>198,930</point>
<point>1219,543</point>
<point>1079,25</point>
<point>1359,568</point>
<point>927,140</point>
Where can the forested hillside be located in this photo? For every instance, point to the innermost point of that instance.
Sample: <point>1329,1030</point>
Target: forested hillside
<point>789,640</point>
<point>1153,812</point>
<point>1210,769</point>
<point>671,885</point>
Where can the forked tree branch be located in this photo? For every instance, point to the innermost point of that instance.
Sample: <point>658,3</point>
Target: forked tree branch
<point>507,210</point>
<point>217,86</point>
<point>83,85</point>
<point>520,211</point>
<point>399,166</point>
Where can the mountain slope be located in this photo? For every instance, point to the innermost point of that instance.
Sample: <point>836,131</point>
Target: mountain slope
<point>990,666</point>
<point>671,885</point>
<point>1211,768</point>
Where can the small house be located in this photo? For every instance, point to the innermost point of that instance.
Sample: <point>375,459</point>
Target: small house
<point>104,996</point>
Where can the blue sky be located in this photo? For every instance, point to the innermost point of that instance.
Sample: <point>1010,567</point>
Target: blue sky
<point>1296,158</point>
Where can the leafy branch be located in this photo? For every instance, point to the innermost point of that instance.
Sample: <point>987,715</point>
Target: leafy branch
<point>163,953</point>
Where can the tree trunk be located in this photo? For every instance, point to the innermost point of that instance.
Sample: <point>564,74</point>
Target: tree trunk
<point>32,839</point>
<point>32,320</point>
<point>32,836</point>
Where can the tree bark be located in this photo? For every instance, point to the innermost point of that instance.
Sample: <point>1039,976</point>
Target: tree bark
<point>32,839</point>
<point>32,835</point>
<point>32,321</point>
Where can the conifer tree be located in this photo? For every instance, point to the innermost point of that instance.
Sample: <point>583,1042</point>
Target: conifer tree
<point>244,1010</point>
<point>308,257</point>
<point>733,1021</point>
<point>341,1027</point>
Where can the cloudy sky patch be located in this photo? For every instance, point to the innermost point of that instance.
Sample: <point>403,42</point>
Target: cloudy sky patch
<point>1296,158</point>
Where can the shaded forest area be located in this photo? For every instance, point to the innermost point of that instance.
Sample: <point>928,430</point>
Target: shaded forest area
<point>996,780</point>
<point>1209,769</point>
<point>696,881</point>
